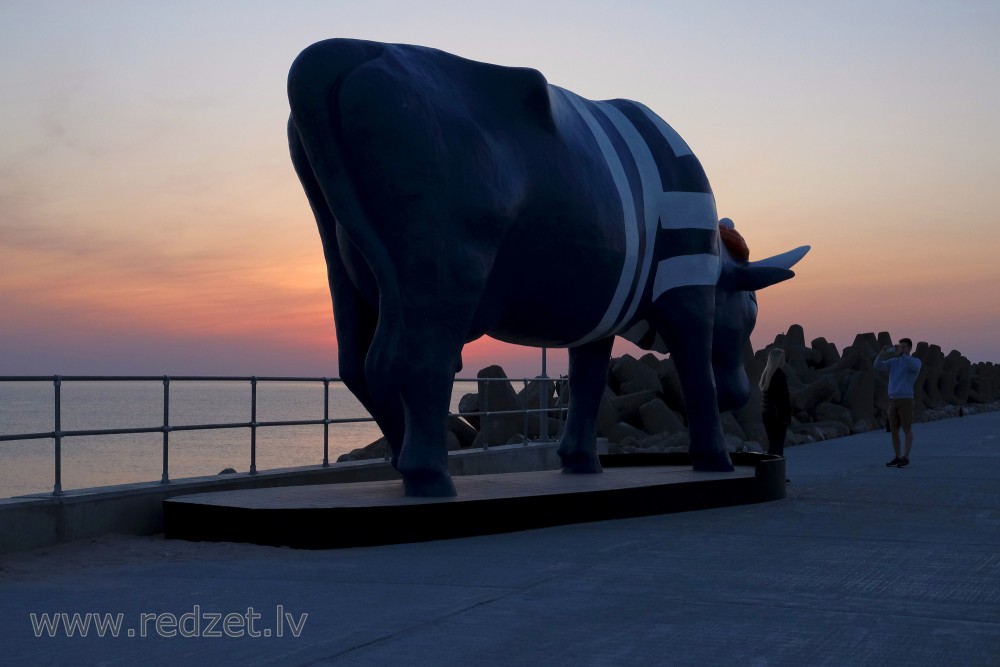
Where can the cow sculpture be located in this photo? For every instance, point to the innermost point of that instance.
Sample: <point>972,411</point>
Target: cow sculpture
<point>456,199</point>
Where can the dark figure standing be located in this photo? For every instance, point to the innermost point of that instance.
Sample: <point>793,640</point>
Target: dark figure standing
<point>903,372</point>
<point>776,405</point>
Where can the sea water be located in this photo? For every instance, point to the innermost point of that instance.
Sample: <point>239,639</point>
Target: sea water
<point>27,466</point>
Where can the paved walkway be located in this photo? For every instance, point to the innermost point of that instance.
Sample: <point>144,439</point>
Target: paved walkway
<point>860,565</point>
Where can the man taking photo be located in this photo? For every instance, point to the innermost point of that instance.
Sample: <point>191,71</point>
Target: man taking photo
<point>903,371</point>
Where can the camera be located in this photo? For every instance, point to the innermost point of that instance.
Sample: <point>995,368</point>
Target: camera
<point>890,348</point>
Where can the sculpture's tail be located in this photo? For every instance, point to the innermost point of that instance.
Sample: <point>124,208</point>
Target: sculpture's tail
<point>313,84</point>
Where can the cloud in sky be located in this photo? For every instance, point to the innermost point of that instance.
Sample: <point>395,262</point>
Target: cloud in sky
<point>150,219</point>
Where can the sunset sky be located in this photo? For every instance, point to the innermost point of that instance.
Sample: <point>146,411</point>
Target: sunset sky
<point>151,222</point>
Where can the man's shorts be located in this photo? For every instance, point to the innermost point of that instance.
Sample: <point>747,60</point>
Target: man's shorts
<point>900,413</point>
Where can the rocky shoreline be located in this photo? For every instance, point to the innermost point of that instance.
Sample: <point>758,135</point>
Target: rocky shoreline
<point>833,393</point>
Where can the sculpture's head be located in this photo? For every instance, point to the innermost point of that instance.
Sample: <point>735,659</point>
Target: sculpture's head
<point>736,309</point>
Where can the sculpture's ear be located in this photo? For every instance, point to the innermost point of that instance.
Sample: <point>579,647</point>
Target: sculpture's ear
<point>751,278</point>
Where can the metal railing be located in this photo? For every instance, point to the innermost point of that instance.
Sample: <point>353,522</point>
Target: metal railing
<point>166,428</point>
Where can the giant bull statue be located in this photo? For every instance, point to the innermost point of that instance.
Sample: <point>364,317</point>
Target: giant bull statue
<point>456,198</point>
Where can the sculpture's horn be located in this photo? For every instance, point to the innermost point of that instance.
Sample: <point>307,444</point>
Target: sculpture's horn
<point>785,260</point>
<point>753,278</point>
<point>766,272</point>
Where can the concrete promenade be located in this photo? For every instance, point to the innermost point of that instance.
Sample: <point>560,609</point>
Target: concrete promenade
<point>859,565</point>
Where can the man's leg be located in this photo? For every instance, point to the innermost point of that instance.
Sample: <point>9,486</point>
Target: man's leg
<point>894,423</point>
<point>894,429</point>
<point>906,422</point>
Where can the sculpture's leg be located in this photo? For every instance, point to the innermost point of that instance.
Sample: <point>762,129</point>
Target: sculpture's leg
<point>685,319</point>
<point>424,386</point>
<point>588,376</point>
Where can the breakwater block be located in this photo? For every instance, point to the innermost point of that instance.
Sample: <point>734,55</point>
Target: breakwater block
<point>327,516</point>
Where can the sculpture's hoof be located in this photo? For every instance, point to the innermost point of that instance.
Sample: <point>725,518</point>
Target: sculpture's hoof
<point>582,464</point>
<point>429,485</point>
<point>712,462</point>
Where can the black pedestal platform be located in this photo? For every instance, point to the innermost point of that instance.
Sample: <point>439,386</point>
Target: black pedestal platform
<point>371,513</point>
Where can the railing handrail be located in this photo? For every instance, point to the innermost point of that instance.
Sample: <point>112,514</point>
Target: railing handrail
<point>57,434</point>
<point>227,378</point>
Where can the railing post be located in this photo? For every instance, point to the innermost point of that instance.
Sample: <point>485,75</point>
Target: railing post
<point>253,425</point>
<point>543,403</point>
<point>525,381</point>
<point>563,387</point>
<point>486,413</point>
<point>326,422</point>
<point>165,478</point>
<point>57,384</point>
